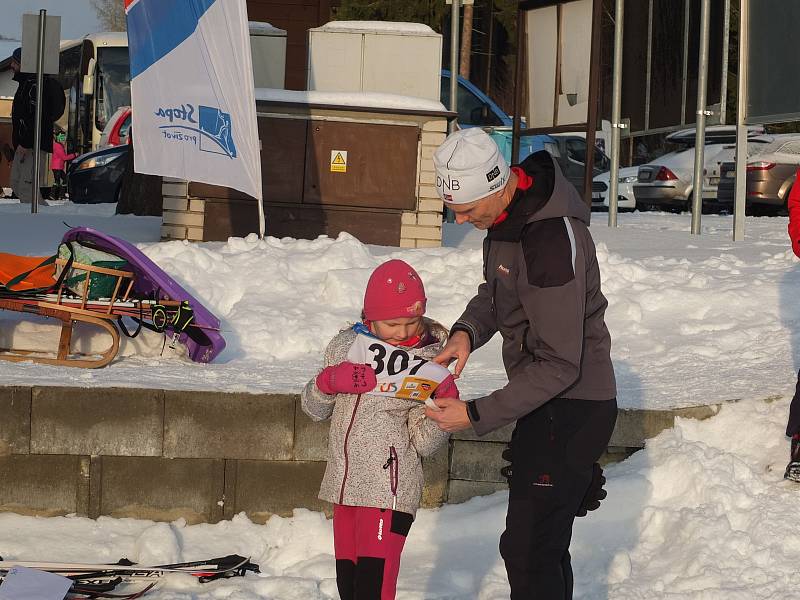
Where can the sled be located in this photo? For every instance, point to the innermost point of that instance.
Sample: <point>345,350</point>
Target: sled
<point>141,291</point>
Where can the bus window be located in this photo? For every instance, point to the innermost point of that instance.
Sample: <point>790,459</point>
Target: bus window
<point>69,67</point>
<point>113,83</point>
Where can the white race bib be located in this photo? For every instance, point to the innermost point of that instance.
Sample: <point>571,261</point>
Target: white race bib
<point>400,374</point>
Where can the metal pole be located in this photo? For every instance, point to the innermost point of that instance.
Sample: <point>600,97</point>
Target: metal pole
<point>519,82</point>
<point>739,204</point>
<point>649,71</point>
<point>726,37</point>
<point>37,134</point>
<point>454,31</point>
<point>700,131</point>
<point>685,59</point>
<point>449,215</point>
<point>594,100</point>
<point>488,87</point>
<point>616,109</point>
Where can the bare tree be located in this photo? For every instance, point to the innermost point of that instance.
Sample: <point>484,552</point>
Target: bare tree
<point>466,41</point>
<point>110,13</point>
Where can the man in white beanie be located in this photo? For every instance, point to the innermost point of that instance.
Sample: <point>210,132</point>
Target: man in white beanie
<point>542,294</point>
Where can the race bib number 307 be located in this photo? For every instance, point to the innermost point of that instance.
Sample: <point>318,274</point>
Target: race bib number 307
<point>400,374</point>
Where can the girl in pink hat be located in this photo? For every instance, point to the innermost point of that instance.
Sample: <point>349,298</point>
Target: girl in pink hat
<point>374,472</point>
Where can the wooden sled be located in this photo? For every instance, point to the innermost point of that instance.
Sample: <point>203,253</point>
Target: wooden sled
<point>70,309</point>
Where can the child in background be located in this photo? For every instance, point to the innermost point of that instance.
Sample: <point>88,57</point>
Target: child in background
<point>374,474</point>
<point>57,162</point>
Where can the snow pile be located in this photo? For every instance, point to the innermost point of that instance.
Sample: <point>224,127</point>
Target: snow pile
<point>396,27</point>
<point>702,512</point>
<point>692,318</point>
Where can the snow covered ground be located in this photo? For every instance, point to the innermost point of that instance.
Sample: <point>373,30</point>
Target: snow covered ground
<point>694,319</point>
<point>701,513</point>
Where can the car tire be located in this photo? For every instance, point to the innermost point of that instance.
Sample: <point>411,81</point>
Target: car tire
<point>783,211</point>
<point>642,206</point>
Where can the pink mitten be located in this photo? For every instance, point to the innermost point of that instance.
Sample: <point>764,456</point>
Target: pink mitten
<point>447,389</point>
<point>346,378</point>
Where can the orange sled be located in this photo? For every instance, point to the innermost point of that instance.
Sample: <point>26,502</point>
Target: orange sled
<point>39,293</point>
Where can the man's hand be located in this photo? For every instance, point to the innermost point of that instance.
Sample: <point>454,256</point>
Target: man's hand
<point>451,416</point>
<point>458,348</point>
<point>595,493</point>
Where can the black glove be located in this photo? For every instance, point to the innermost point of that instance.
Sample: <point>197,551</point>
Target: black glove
<point>506,471</point>
<point>595,493</point>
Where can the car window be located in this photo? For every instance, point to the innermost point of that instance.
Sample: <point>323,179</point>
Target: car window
<point>123,129</point>
<point>576,150</point>
<point>473,111</point>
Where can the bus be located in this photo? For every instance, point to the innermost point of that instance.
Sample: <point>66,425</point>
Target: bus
<point>95,74</point>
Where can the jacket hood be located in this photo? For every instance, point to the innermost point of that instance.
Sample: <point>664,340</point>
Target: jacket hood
<point>564,200</point>
<point>548,196</point>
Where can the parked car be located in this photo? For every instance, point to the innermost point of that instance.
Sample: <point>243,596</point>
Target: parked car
<point>667,182</point>
<point>96,177</point>
<point>771,171</point>
<point>625,198</point>
<point>116,130</point>
<point>571,158</point>
<point>477,109</point>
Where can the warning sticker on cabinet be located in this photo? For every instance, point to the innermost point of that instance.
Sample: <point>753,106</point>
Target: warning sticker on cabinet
<point>338,161</point>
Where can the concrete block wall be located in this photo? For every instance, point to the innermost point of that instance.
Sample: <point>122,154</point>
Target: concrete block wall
<point>160,454</point>
<point>183,217</point>
<point>206,456</point>
<point>423,228</point>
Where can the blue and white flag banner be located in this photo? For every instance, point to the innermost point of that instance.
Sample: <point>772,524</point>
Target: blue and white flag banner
<point>194,111</point>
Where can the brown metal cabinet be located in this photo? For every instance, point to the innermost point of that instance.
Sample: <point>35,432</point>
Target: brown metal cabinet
<point>283,155</point>
<point>377,165</point>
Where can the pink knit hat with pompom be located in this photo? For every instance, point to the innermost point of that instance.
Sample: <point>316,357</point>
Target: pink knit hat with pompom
<point>394,290</point>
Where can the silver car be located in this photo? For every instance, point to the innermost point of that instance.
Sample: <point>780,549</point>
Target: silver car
<point>667,182</point>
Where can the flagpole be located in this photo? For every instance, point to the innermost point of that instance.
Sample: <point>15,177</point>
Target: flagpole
<point>262,225</point>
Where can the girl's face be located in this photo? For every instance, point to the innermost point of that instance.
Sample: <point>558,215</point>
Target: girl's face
<point>399,330</point>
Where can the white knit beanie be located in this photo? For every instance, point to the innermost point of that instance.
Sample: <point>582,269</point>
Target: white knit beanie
<point>469,166</point>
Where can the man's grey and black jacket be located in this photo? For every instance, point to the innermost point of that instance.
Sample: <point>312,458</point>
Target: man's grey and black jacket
<point>542,294</point>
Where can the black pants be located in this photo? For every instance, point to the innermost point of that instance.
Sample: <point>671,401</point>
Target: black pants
<point>793,426</point>
<point>59,183</point>
<point>553,450</point>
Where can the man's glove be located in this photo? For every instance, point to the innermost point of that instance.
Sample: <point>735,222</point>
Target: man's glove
<point>595,493</point>
<point>347,378</point>
<point>447,389</point>
<point>507,470</point>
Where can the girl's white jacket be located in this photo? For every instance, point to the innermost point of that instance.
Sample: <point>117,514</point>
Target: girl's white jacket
<point>375,442</point>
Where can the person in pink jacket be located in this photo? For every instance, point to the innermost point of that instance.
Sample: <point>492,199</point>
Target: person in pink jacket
<point>793,425</point>
<point>57,163</point>
<point>374,473</point>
